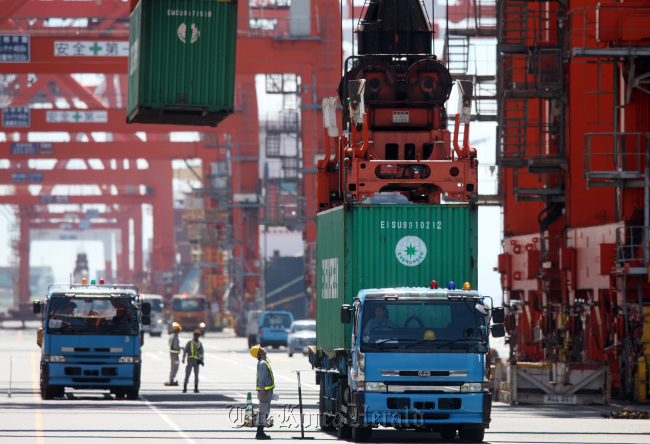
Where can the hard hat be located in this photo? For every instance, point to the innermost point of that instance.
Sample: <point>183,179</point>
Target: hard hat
<point>176,326</point>
<point>467,286</point>
<point>255,350</point>
<point>198,332</point>
<point>429,335</point>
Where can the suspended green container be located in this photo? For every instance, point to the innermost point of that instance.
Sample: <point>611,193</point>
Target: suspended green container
<point>182,62</point>
<point>388,246</point>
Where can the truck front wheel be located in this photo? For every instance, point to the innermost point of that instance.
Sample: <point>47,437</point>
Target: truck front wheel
<point>132,394</point>
<point>360,433</point>
<point>51,392</point>
<point>448,434</point>
<point>471,434</point>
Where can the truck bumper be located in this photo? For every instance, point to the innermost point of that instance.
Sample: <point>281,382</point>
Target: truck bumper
<point>91,375</point>
<point>414,410</point>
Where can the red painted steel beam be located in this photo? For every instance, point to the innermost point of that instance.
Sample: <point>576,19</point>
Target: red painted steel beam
<point>87,177</point>
<point>111,150</point>
<point>135,199</point>
<point>57,225</point>
<point>115,123</point>
<point>24,294</point>
<point>43,58</point>
<point>46,215</point>
<point>164,251</point>
<point>16,9</point>
<point>272,55</point>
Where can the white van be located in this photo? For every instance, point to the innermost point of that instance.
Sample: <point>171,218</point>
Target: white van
<point>157,325</point>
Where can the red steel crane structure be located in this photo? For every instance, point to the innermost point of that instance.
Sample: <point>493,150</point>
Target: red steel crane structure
<point>42,92</point>
<point>574,146</point>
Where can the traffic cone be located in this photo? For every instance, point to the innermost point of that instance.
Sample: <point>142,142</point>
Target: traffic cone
<point>249,410</point>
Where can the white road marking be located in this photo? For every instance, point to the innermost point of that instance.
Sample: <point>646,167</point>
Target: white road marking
<point>166,418</point>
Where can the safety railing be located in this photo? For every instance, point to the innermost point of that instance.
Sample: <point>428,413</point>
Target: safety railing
<point>616,156</point>
<point>632,246</point>
<point>611,28</point>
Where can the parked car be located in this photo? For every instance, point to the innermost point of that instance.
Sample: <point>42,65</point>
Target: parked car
<point>157,325</point>
<point>253,326</point>
<point>301,335</point>
<point>274,328</point>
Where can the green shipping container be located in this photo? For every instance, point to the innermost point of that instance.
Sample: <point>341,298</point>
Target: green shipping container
<point>388,246</point>
<point>182,62</point>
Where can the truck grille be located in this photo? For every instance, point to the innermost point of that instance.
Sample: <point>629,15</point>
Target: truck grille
<point>449,403</point>
<point>424,405</point>
<point>398,403</point>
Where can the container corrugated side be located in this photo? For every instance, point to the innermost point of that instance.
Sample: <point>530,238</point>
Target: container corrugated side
<point>182,62</point>
<point>385,246</point>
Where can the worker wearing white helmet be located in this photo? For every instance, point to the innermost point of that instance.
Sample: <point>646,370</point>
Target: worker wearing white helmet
<point>174,351</point>
<point>265,386</point>
<point>193,351</point>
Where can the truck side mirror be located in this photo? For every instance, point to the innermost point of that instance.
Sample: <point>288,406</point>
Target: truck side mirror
<point>498,331</point>
<point>146,309</point>
<point>498,315</point>
<point>36,307</point>
<point>346,313</point>
<point>146,320</point>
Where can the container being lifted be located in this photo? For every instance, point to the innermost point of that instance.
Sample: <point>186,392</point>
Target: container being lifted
<point>182,62</point>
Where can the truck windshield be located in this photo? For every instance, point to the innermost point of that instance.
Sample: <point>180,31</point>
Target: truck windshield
<point>431,325</point>
<point>92,314</point>
<point>188,304</point>
<point>156,305</point>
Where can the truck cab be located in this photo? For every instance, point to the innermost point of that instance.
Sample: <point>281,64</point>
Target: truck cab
<point>191,311</point>
<point>417,359</point>
<point>91,338</point>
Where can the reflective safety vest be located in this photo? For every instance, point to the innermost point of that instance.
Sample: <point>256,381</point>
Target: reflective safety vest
<point>171,350</point>
<point>272,386</point>
<point>194,353</point>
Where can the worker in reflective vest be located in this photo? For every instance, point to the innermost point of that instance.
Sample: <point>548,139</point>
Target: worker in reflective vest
<point>174,351</point>
<point>265,386</point>
<point>194,352</point>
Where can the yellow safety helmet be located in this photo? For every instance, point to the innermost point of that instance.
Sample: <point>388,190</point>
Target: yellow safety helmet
<point>255,350</point>
<point>198,332</point>
<point>429,335</point>
<point>176,326</point>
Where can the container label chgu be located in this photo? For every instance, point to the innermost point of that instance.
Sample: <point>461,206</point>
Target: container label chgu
<point>410,251</point>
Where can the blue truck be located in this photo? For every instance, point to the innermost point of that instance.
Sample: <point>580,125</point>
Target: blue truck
<point>91,338</point>
<point>417,359</point>
<point>389,352</point>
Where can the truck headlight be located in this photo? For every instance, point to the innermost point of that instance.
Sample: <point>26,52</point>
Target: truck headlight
<point>471,387</point>
<point>54,358</point>
<point>361,367</point>
<point>376,387</point>
<point>128,359</point>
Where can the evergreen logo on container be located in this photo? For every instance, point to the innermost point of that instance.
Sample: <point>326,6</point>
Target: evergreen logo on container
<point>410,251</point>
